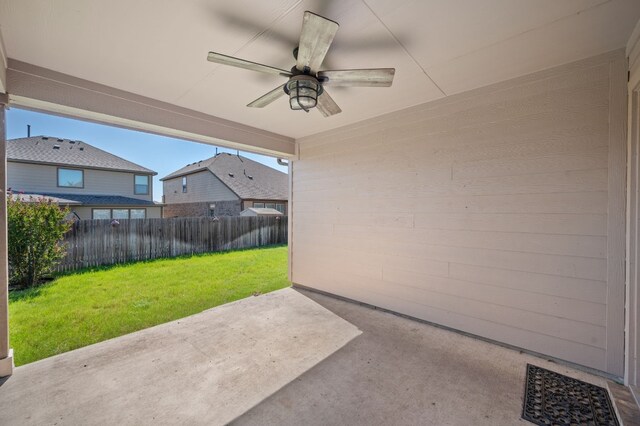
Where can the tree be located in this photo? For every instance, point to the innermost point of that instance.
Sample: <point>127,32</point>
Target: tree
<point>36,229</point>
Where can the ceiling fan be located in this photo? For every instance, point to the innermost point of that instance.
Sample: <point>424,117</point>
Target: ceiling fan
<point>306,83</point>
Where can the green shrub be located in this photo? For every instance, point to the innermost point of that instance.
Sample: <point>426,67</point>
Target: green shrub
<point>36,230</point>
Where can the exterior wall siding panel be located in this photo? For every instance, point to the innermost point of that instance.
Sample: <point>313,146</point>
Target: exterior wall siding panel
<point>43,178</point>
<point>489,212</point>
<point>202,186</point>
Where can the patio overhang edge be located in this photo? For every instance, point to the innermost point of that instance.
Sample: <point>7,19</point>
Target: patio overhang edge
<point>40,89</point>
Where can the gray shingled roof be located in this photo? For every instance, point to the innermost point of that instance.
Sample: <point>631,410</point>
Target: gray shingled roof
<point>247,178</point>
<point>29,198</point>
<point>50,150</point>
<point>86,199</point>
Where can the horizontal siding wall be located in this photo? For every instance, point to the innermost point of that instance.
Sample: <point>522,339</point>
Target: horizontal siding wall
<point>201,186</point>
<point>44,178</point>
<point>487,212</point>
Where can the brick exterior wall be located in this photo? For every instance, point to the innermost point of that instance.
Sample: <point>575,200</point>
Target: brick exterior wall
<point>223,208</point>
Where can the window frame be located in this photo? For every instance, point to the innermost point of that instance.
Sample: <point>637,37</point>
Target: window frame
<point>121,210</point>
<point>258,205</point>
<point>139,208</point>
<point>110,210</point>
<point>184,184</point>
<point>93,213</point>
<point>135,185</point>
<point>75,169</point>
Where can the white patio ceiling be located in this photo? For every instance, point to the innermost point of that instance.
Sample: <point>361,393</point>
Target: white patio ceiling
<point>158,49</point>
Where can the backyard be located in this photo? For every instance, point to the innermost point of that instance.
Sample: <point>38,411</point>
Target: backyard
<point>85,307</point>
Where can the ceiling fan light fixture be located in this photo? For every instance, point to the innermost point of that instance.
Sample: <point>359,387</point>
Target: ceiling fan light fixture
<point>305,86</point>
<point>303,91</point>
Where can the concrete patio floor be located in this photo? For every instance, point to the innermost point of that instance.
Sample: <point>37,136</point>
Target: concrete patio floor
<point>204,369</point>
<point>404,372</point>
<point>290,357</point>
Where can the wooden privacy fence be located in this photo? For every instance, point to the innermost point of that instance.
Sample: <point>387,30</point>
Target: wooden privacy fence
<point>99,242</point>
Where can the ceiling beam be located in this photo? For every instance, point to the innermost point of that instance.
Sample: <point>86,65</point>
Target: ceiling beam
<point>41,89</point>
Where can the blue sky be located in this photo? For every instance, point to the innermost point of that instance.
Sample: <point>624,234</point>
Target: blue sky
<point>159,153</point>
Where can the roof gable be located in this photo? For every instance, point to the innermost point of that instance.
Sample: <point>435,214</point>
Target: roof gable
<point>50,150</point>
<point>247,178</point>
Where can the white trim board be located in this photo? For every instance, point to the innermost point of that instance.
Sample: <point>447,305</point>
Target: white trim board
<point>45,90</point>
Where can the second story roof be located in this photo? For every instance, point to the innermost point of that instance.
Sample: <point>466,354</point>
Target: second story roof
<point>85,199</point>
<point>248,179</point>
<point>50,150</point>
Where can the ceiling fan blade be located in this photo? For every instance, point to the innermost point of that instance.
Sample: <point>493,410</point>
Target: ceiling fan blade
<point>327,106</point>
<point>379,77</point>
<point>315,39</point>
<point>241,63</point>
<point>266,99</point>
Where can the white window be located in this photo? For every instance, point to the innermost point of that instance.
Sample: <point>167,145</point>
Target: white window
<point>120,213</point>
<point>101,214</point>
<point>138,213</point>
<point>280,208</point>
<point>258,205</point>
<point>141,184</point>
<point>70,178</point>
<point>270,205</point>
<point>184,184</point>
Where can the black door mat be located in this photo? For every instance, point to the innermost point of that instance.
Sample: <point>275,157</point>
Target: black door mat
<point>555,399</point>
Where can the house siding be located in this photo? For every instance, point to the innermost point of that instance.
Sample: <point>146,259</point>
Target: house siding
<point>488,212</point>
<point>27,177</point>
<point>202,186</point>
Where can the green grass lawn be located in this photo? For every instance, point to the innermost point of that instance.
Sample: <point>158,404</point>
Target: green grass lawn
<point>90,306</point>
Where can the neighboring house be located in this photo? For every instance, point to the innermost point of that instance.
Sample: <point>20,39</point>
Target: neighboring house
<point>93,183</point>
<point>224,185</point>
